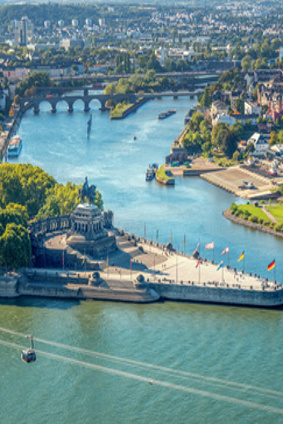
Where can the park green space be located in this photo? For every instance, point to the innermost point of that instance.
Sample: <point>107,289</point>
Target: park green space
<point>254,210</point>
<point>277,212</point>
<point>119,109</point>
<point>162,176</point>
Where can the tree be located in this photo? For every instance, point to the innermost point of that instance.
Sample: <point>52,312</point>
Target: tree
<point>240,105</point>
<point>246,63</point>
<point>110,88</point>
<point>273,138</point>
<point>15,248</point>
<point>17,99</point>
<point>280,137</point>
<point>206,98</point>
<point>229,144</point>
<point>218,132</point>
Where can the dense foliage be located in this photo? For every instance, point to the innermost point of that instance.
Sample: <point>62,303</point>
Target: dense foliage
<point>27,192</point>
<point>28,86</point>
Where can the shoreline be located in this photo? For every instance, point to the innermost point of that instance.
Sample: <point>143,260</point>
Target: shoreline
<point>228,215</point>
<point>150,276</point>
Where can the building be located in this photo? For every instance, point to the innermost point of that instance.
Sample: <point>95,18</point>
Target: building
<point>73,42</point>
<point>88,22</point>
<point>2,99</point>
<point>252,109</point>
<point>260,143</point>
<point>218,108</point>
<point>22,31</point>
<point>101,22</point>
<point>75,23</point>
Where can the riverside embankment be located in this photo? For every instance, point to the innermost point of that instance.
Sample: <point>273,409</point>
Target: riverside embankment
<point>227,213</point>
<point>154,272</point>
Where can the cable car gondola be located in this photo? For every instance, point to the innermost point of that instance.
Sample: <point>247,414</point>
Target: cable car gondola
<point>28,355</point>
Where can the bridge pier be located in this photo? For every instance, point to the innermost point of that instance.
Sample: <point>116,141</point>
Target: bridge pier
<point>36,110</point>
<point>175,97</point>
<point>86,108</point>
<point>70,109</point>
<point>53,109</point>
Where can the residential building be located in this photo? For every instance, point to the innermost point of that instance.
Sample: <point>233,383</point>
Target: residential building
<point>252,109</point>
<point>260,143</point>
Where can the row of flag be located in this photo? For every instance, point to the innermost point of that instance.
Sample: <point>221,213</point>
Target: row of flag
<point>209,246</point>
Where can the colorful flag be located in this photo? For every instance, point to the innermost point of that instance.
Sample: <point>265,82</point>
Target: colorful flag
<point>220,266</point>
<point>107,261</point>
<point>63,258</point>
<point>225,251</point>
<point>241,256</point>
<point>198,262</point>
<point>196,251</point>
<point>184,242</point>
<point>271,265</point>
<point>210,245</point>
<point>130,265</point>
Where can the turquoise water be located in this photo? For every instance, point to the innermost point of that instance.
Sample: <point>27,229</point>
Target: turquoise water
<point>237,345</point>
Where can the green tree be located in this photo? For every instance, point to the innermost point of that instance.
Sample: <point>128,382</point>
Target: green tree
<point>15,248</point>
<point>229,144</point>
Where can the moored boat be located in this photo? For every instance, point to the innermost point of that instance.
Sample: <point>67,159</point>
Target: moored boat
<point>15,146</point>
<point>150,172</point>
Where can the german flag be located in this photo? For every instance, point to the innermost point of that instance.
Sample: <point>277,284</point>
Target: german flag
<point>241,256</point>
<point>271,265</point>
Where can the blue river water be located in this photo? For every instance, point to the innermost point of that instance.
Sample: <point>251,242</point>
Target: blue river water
<point>231,344</point>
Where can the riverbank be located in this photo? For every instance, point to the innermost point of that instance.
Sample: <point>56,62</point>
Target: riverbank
<point>127,110</point>
<point>11,126</point>
<point>227,213</point>
<point>164,176</point>
<point>146,272</point>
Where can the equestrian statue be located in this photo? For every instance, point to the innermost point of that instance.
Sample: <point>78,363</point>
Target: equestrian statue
<point>87,192</point>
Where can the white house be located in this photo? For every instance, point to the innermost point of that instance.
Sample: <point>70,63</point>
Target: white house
<point>260,144</point>
<point>252,109</point>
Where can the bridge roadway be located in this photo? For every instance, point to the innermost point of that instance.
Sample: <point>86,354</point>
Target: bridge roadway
<point>86,96</point>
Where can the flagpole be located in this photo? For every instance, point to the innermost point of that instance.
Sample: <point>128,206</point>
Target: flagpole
<point>176,269</point>
<point>131,269</point>
<point>223,273</point>
<point>229,257</point>
<point>275,274</point>
<point>244,263</point>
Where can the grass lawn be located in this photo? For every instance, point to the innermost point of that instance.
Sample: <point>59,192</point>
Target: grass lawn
<point>253,210</point>
<point>277,212</point>
<point>119,109</point>
<point>161,175</point>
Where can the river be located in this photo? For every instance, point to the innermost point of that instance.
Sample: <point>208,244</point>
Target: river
<point>239,345</point>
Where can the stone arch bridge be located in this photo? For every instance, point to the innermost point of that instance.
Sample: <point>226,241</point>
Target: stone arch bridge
<point>85,95</point>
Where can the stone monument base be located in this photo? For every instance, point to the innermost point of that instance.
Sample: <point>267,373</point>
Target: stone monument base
<point>97,248</point>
